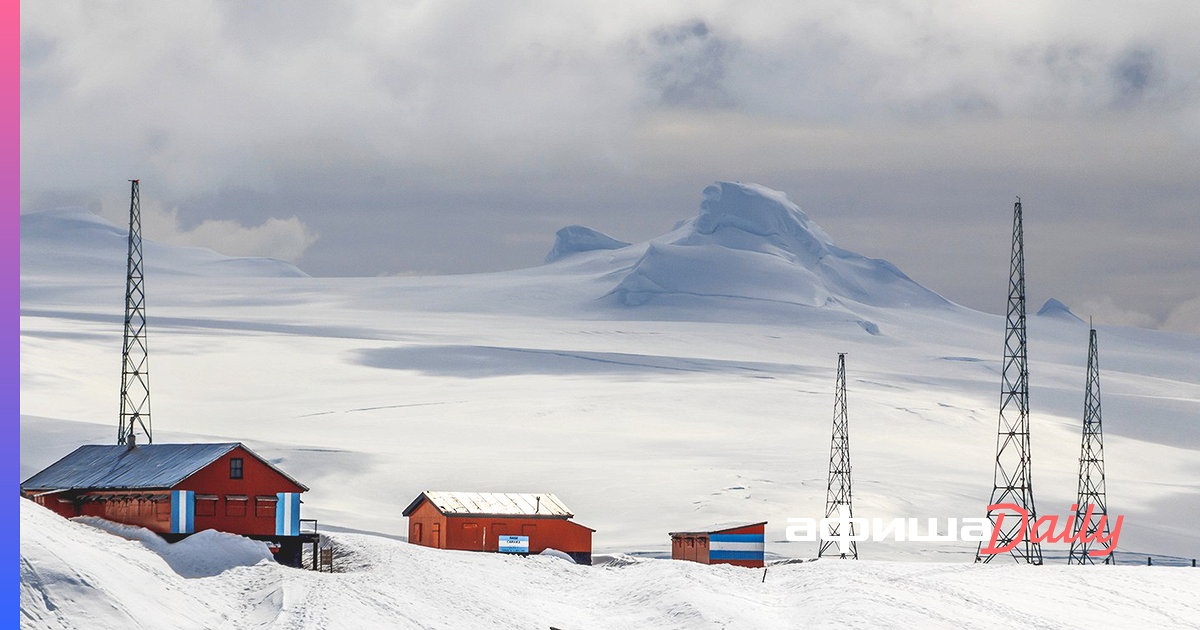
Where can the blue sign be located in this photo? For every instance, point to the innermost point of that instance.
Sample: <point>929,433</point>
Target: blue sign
<point>735,547</point>
<point>183,511</point>
<point>287,514</point>
<point>513,544</point>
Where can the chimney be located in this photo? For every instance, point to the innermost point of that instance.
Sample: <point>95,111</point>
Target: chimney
<point>131,441</point>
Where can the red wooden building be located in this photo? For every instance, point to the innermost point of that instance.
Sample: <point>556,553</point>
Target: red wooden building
<point>739,544</point>
<point>503,522</point>
<point>178,489</point>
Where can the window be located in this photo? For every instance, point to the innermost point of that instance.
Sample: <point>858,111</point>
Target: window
<point>264,506</point>
<point>206,505</point>
<point>235,505</point>
<point>235,468</point>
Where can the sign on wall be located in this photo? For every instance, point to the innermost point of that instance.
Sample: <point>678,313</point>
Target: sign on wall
<point>735,547</point>
<point>514,544</point>
<point>183,511</point>
<point>287,514</point>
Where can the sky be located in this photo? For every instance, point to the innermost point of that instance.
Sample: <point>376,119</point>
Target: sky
<point>373,138</point>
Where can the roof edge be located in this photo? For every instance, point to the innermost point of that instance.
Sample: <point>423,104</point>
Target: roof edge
<point>715,531</point>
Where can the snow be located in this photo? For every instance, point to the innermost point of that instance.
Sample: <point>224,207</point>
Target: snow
<point>1056,309</point>
<point>704,397</point>
<point>575,239</point>
<point>511,503</point>
<point>76,576</point>
<point>752,243</point>
<point>554,553</point>
<point>202,554</point>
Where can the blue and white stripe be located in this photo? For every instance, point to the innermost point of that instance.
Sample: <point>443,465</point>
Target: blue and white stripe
<point>287,514</point>
<point>183,511</point>
<point>735,547</point>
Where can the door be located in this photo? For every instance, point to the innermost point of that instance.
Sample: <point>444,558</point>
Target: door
<point>435,532</point>
<point>497,530</point>
<point>471,538</point>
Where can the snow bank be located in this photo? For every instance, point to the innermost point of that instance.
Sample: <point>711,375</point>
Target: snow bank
<point>554,553</point>
<point>75,576</point>
<point>202,554</point>
<point>575,239</point>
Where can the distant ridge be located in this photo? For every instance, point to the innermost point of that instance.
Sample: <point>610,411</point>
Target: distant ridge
<point>79,242</point>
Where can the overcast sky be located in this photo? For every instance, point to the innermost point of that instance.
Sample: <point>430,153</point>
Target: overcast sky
<point>367,138</point>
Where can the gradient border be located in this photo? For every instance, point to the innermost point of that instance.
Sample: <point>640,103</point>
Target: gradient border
<point>10,275</point>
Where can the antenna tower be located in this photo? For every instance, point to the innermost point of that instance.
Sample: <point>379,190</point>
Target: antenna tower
<point>839,495</point>
<point>135,362</point>
<point>1012,480</point>
<point>1091,468</point>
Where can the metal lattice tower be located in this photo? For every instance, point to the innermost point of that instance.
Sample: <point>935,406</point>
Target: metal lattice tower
<point>1012,481</point>
<point>838,499</point>
<point>135,362</point>
<point>1091,468</point>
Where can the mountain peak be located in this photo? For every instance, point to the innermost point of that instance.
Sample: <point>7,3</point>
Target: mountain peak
<point>755,209</point>
<point>752,242</point>
<point>1058,310</point>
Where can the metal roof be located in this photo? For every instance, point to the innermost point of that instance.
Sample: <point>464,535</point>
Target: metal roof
<point>715,529</point>
<point>116,466</point>
<point>493,504</point>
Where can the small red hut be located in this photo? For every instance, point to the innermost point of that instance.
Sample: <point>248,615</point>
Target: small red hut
<point>176,490</point>
<point>739,544</point>
<point>494,521</point>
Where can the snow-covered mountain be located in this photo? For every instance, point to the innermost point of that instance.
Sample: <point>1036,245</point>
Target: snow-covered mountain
<point>748,247</point>
<point>1058,310</point>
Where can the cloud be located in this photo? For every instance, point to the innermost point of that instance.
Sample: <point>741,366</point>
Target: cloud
<point>1107,311</point>
<point>1185,317</point>
<point>401,130</point>
<point>286,239</point>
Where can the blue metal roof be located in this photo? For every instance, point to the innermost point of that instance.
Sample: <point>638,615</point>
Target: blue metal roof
<point>115,466</point>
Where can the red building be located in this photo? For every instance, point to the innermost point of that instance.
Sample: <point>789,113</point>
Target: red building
<point>503,522</point>
<point>739,544</point>
<point>176,490</point>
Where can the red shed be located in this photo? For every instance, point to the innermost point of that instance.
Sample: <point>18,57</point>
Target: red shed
<point>739,544</point>
<point>176,490</point>
<point>494,521</point>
